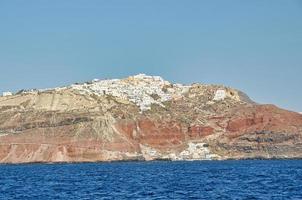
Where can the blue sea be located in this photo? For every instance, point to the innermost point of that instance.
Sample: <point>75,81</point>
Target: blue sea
<point>247,179</point>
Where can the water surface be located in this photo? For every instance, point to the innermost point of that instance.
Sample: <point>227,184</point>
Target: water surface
<point>248,179</point>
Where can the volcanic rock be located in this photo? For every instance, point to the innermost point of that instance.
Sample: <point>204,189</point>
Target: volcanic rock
<point>143,118</point>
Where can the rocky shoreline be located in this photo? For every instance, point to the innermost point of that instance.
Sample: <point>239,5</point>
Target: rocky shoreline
<point>148,161</point>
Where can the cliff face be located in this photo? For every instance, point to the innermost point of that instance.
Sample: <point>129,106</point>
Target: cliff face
<point>143,118</point>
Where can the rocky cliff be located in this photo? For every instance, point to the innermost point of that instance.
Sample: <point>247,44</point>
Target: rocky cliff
<point>143,118</point>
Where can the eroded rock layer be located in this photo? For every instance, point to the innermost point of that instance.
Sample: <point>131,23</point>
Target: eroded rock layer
<point>143,118</point>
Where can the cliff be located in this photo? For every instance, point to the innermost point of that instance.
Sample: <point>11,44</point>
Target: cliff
<point>143,118</point>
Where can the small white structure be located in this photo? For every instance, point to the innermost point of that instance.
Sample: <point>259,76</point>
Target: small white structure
<point>219,95</point>
<point>196,151</point>
<point>7,94</point>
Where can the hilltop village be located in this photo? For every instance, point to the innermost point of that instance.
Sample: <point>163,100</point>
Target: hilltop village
<point>141,89</point>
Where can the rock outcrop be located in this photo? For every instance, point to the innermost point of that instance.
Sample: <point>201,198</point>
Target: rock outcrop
<point>143,118</point>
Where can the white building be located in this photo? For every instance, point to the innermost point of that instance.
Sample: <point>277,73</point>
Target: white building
<point>219,95</point>
<point>7,94</point>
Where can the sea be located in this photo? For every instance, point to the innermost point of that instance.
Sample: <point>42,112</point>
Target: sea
<point>245,179</point>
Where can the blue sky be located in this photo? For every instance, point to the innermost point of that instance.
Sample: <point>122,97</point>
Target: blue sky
<point>255,46</point>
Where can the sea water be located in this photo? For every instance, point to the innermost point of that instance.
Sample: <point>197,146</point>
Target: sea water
<point>246,179</point>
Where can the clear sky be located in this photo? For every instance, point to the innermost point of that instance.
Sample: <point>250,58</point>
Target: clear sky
<point>254,46</point>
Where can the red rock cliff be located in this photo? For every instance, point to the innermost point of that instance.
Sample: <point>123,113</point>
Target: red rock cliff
<point>143,118</point>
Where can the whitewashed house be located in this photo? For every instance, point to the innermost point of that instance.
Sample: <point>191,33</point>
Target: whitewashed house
<point>7,94</point>
<point>219,95</point>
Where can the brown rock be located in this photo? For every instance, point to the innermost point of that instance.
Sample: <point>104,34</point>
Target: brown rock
<point>68,126</point>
